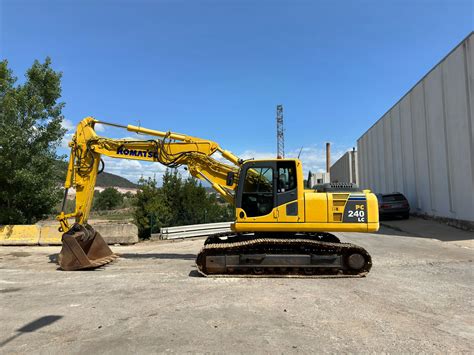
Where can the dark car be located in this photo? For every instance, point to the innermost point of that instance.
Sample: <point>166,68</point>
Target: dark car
<point>393,205</point>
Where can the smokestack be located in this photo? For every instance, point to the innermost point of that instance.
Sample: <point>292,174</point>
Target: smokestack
<point>328,156</point>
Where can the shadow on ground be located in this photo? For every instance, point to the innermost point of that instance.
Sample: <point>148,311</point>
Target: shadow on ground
<point>53,258</point>
<point>195,273</point>
<point>10,289</point>
<point>421,228</point>
<point>157,256</point>
<point>392,231</point>
<point>32,327</point>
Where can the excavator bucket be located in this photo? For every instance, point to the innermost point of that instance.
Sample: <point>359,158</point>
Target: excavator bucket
<point>84,248</point>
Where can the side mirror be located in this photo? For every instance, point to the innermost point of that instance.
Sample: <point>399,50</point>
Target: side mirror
<point>230,178</point>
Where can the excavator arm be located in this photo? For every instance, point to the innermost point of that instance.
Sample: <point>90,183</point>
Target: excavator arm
<point>170,149</point>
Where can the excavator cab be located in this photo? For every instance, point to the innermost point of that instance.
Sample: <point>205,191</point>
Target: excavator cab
<point>271,197</point>
<point>269,191</point>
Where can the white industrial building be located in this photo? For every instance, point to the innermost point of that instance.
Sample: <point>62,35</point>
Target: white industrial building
<point>317,178</point>
<point>423,146</point>
<point>346,169</point>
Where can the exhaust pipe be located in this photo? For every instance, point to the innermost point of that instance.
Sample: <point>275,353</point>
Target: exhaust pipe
<point>328,156</point>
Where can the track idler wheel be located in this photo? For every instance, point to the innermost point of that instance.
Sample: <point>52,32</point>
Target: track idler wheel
<point>356,261</point>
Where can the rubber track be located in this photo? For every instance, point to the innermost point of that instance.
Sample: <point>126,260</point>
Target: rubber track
<point>282,245</point>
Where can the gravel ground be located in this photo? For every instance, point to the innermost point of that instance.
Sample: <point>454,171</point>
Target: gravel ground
<point>417,298</point>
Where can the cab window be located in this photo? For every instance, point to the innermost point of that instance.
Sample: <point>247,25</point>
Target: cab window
<point>286,176</point>
<point>257,196</point>
<point>259,180</point>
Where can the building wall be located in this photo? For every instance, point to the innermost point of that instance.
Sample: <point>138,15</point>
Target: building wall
<point>317,178</point>
<point>345,169</point>
<point>423,146</point>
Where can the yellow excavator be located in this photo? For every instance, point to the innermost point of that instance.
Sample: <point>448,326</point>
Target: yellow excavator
<point>281,228</point>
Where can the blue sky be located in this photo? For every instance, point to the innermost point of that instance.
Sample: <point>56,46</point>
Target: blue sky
<point>217,69</point>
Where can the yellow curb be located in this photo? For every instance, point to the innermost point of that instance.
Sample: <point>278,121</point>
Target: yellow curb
<point>19,235</point>
<point>50,235</point>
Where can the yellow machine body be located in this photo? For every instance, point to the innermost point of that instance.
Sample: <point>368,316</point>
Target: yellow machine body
<point>342,211</point>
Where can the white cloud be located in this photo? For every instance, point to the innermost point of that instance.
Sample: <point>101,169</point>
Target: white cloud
<point>68,125</point>
<point>66,139</point>
<point>252,154</point>
<point>99,127</point>
<point>129,138</point>
<point>133,170</point>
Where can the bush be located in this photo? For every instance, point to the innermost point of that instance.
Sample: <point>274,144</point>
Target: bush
<point>108,199</point>
<point>177,202</point>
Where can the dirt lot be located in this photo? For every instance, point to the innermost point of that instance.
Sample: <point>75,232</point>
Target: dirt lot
<point>417,298</point>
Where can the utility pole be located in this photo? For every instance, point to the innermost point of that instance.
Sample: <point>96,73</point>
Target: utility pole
<point>280,137</point>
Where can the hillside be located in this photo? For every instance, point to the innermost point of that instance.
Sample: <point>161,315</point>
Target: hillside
<point>104,179</point>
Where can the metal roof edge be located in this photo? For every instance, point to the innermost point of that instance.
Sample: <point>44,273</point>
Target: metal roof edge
<point>342,156</point>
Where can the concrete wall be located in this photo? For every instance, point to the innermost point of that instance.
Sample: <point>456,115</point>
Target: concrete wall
<point>423,146</point>
<point>346,168</point>
<point>112,232</point>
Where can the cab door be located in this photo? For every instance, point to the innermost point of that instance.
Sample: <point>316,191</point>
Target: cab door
<point>256,200</point>
<point>287,191</point>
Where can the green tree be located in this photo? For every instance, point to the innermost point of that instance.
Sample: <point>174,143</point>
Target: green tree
<point>151,212</point>
<point>109,199</point>
<point>30,132</point>
<point>171,193</point>
<point>193,203</point>
<point>218,211</point>
<point>176,203</point>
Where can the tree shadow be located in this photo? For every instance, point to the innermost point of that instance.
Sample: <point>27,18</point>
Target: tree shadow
<point>158,256</point>
<point>32,327</point>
